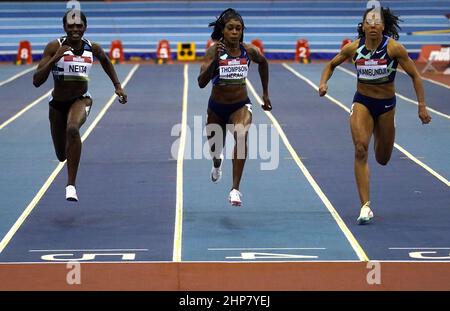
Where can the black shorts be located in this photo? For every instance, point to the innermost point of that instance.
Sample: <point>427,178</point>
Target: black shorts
<point>64,106</point>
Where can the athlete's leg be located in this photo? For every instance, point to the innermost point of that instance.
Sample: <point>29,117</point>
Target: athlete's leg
<point>58,123</point>
<point>384,134</point>
<point>75,119</point>
<point>361,124</point>
<point>241,120</point>
<point>215,126</point>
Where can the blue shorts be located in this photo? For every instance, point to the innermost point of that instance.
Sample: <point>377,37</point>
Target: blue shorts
<point>376,106</point>
<point>224,111</point>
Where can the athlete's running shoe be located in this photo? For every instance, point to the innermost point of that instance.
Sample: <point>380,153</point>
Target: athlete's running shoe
<point>365,215</point>
<point>71,193</point>
<point>235,198</point>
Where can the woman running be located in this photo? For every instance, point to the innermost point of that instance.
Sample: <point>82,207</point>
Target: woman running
<point>70,59</point>
<point>226,65</point>
<point>376,54</point>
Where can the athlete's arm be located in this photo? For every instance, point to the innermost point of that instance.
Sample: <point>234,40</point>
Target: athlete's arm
<point>347,52</point>
<point>52,53</point>
<point>209,64</point>
<point>398,51</point>
<point>263,68</point>
<point>110,71</point>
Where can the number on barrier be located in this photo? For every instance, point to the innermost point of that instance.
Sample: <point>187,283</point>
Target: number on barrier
<point>116,53</point>
<point>302,51</point>
<point>163,53</point>
<point>24,53</point>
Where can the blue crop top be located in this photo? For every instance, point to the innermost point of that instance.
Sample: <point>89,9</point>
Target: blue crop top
<point>232,70</point>
<point>375,67</point>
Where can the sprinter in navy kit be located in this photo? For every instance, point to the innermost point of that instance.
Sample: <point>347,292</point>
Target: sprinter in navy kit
<point>226,64</point>
<point>376,54</point>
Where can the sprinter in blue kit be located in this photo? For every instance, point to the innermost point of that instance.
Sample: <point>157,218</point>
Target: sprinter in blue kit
<point>70,59</point>
<point>226,64</point>
<point>376,54</point>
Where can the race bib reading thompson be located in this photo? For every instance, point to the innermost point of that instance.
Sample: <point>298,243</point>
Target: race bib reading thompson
<point>233,69</point>
<point>373,70</point>
<point>76,67</point>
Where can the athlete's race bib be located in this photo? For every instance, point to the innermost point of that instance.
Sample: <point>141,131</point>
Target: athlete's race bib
<point>76,67</point>
<point>233,69</point>
<point>372,69</point>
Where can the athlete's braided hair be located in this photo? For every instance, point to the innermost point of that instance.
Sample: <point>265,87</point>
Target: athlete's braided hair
<point>390,20</point>
<point>219,24</point>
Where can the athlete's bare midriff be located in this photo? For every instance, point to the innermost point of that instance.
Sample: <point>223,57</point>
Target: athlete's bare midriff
<point>67,90</point>
<point>382,91</point>
<point>229,94</point>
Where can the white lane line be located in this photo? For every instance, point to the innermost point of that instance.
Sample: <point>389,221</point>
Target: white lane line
<point>428,79</point>
<point>177,239</point>
<point>265,248</point>
<point>25,109</point>
<point>88,250</point>
<point>17,75</point>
